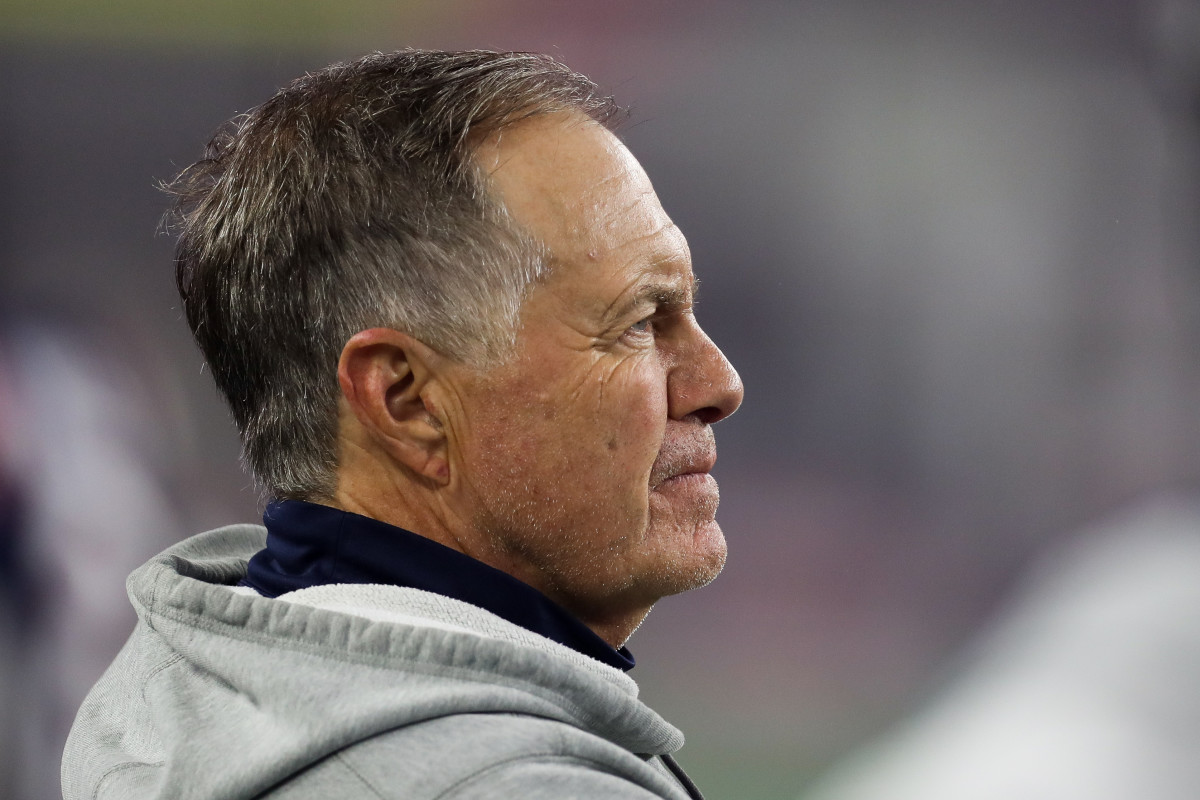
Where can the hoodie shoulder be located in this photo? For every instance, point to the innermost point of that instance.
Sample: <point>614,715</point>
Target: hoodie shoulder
<point>476,756</point>
<point>225,694</point>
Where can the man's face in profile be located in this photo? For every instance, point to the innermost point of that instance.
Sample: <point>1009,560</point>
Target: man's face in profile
<point>586,454</point>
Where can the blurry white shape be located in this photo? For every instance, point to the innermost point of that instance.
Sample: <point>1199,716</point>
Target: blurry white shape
<point>1087,688</point>
<point>90,452</point>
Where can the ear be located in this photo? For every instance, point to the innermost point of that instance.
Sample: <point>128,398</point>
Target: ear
<point>384,375</point>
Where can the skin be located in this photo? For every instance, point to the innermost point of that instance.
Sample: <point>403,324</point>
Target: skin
<point>580,465</point>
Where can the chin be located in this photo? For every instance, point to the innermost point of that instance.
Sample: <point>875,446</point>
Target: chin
<point>716,553</point>
<point>698,562</point>
<point>671,559</point>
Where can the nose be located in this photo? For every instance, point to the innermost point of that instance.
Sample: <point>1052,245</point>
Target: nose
<point>702,383</point>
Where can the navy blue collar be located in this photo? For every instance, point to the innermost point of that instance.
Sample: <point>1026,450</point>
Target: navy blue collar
<point>312,545</point>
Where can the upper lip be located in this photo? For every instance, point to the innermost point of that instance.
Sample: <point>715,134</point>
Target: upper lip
<point>702,462</point>
<point>685,456</point>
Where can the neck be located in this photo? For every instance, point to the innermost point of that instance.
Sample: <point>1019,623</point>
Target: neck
<point>395,508</point>
<point>617,631</point>
<point>403,505</point>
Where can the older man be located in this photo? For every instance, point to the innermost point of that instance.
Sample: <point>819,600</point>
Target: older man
<point>455,329</point>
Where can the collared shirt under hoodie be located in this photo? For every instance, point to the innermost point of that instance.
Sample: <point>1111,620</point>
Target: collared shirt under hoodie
<point>313,545</point>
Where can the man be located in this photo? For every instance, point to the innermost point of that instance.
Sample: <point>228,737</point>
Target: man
<point>454,326</point>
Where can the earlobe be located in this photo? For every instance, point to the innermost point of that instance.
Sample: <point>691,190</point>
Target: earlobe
<point>385,377</point>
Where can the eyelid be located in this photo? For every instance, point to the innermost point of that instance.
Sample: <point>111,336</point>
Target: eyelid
<point>641,330</point>
<point>664,309</point>
<point>647,321</point>
<point>663,312</point>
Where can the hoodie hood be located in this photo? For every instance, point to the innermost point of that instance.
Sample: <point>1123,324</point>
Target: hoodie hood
<point>220,693</point>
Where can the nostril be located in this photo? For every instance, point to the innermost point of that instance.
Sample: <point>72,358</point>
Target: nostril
<point>725,396</point>
<point>710,414</point>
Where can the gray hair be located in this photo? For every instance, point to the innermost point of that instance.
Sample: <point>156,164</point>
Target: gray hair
<point>350,200</point>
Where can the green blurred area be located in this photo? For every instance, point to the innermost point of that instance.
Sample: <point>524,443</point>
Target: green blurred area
<point>238,23</point>
<point>743,774</point>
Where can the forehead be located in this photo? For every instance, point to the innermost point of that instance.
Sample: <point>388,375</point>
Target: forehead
<point>573,185</point>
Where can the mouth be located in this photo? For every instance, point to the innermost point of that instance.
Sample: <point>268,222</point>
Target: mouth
<point>685,479</point>
<point>684,459</point>
<point>700,469</point>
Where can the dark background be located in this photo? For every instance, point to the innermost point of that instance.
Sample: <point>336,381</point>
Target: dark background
<point>951,248</point>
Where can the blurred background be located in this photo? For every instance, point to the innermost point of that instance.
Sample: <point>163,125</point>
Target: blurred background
<point>951,247</point>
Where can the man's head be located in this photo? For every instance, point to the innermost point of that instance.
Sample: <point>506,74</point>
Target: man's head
<point>574,453</point>
<point>351,200</point>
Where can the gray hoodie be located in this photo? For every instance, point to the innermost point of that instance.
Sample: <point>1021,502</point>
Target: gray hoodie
<point>349,691</point>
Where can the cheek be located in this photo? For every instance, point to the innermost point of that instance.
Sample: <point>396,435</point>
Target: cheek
<point>632,414</point>
<point>595,430</point>
<point>620,405</point>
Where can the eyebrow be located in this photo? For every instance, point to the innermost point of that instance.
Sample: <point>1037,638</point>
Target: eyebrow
<point>662,295</point>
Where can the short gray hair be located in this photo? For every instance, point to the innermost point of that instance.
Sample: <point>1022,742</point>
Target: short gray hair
<point>350,200</point>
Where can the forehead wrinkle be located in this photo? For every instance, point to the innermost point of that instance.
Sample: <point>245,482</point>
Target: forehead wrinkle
<point>596,234</point>
<point>593,250</point>
<point>644,203</point>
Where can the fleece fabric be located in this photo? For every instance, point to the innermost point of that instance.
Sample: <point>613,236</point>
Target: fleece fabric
<point>349,691</point>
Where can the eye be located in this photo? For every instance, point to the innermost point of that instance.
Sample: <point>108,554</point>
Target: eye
<point>641,327</point>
